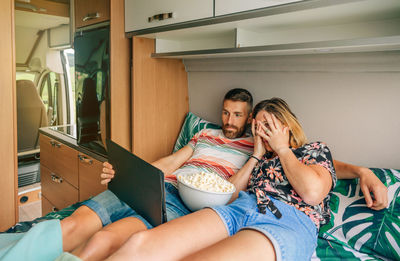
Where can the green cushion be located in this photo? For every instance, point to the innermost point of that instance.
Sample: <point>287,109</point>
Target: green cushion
<point>190,127</point>
<point>357,227</point>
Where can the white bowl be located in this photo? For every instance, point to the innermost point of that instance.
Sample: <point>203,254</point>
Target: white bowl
<point>196,199</point>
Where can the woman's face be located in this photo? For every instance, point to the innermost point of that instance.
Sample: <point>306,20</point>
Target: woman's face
<point>264,117</point>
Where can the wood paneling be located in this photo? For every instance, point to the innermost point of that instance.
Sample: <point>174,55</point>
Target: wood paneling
<point>120,56</point>
<point>89,177</point>
<point>8,128</point>
<point>57,190</point>
<point>159,100</point>
<point>84,8</point>
<point>46,7</point>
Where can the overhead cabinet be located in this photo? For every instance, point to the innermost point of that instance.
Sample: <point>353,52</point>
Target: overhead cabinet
<point>224,7</point>
<point>145,14</point>
<point>275,27</point>
<point>88,12</point>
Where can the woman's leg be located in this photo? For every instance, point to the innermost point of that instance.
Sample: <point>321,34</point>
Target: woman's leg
<point>79,227</point>
<point>109,239</point>
<point>245,245</point>
<point>174,239</point>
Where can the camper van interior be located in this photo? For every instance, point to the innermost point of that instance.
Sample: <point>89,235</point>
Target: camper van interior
<point>76,72</point>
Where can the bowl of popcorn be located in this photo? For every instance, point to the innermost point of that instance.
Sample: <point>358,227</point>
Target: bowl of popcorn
<point>204,189</point>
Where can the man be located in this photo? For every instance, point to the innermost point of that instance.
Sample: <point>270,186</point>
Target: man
<point>221,151</point>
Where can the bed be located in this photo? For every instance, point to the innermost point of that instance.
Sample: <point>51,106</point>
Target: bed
<point>355,232</point>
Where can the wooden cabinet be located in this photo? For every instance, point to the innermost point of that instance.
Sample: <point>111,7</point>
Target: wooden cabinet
<point>67,176</point>
<point>224,7</point>
<point>144,14</point>
<point>88,12</point>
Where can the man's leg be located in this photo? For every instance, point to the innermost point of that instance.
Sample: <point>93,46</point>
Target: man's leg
<point>79,227</point>
<point>174,239</point>
<point>109,239</point>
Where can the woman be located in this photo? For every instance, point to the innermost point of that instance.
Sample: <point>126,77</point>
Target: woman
<point>279,215</point>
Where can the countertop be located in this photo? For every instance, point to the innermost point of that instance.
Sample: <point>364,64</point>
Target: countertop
<point>71,142</point>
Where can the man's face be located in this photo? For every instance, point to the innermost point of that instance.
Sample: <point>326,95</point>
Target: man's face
<point>234,118</point>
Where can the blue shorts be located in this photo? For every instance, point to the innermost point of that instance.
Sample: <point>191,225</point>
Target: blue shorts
<point>294,235</point>
<point>110,208</point>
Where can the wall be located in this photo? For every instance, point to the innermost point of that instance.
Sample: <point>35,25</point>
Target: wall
<point>350,101</point>
<point>8,139</point>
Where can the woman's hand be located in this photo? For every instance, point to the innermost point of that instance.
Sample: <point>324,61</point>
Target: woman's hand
<point>275,134</point>
<point>107,174</point>
<point>259,149</point>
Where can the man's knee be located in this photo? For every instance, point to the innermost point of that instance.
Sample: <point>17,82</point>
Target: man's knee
<point>79,220</point>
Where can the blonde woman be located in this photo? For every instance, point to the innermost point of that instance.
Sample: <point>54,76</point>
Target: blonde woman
<point>283,199</point>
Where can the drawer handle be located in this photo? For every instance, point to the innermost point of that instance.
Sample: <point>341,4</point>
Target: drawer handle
<point>91,16</point>
<point>56,179</point>
<point>85,159</point>
<point>54,209</point>
<point>160,17</point>
<point>55,144</point>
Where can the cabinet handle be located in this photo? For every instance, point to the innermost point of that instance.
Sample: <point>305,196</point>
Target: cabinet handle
<point>91,16</point>
<point>85,159</point>
<point>52,142</point>
<point>160,17</point>
<point>56,179</point>
<point>54,209</point>
<point>58,145</point>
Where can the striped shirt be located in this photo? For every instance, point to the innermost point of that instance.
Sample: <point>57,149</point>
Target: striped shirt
<point>213,152</point>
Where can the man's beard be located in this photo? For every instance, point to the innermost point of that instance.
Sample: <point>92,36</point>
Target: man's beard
<point>233,134</point>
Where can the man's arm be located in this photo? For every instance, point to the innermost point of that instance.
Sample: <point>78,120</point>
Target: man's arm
<point>167,164</point>
<point>369,183</point>
<point>174,161</point>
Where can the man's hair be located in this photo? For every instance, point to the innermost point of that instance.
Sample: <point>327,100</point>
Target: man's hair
<point>239,94</point>
<point>282,112</point>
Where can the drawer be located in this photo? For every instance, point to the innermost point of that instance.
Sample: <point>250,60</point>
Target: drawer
<point>57,190</point>
<point>60,158</point>
<point>89,177</point>
<point>47,206</point>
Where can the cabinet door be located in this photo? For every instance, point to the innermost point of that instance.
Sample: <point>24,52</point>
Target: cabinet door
<point>89,177</point>
<point>89,12</point>
<point>143,14</point>
<point>223,7</point>
<point>60,159</point>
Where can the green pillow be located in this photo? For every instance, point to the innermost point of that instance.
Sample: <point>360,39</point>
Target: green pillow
<point>356,227</point>
<point>190,127</point>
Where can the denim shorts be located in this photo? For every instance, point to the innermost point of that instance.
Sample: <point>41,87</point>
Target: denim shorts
<point>294,235</point>
<point>110,208</point>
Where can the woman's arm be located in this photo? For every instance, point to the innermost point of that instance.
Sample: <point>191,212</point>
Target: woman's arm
<point>311,182</point>
<point>241,178</point>
<point>369,183</point>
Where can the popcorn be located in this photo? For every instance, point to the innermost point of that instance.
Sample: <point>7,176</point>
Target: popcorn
<point>210,182</point>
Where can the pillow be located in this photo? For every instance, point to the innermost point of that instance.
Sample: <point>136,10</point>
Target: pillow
<point>190,127</point>
<point>357,227</point>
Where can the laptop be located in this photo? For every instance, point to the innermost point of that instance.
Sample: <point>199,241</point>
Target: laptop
<point>139,184</point>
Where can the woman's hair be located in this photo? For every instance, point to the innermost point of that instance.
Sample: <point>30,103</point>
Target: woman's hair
<point>282,112</point>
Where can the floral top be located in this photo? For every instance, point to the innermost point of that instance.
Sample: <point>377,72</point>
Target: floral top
<point>268,179</point>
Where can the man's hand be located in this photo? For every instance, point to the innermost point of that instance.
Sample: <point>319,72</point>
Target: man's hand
<point>107,174</point>
<point>370,183</point>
